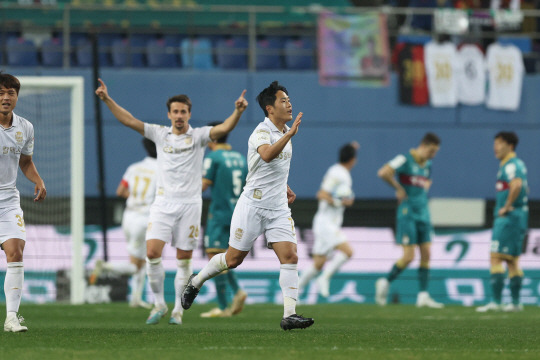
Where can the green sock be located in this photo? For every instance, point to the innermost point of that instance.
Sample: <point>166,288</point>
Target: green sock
<point>233,281</point>
<point>497,285</point>
<point>221,289</point>
<point>423,274</point>
<point>515,287</point>
<point>393,274</point>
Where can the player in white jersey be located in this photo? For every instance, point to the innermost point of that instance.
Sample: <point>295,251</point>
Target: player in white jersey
<point>138,186</point>
<point>175,215</point>
<point>334,195</point>
<point>263,206</point>
<point>17,146</point>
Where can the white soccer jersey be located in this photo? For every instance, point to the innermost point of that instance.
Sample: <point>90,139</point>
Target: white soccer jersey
<point>471,75</point>
<point>140,179</point>
<point>441,66</point>
<point>506,69</point>
<point>266,183</point>
<point>180,159</point>
<point>15,140</point>
<point>336,176</point>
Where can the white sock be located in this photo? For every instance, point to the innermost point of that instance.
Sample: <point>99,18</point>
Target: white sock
<point>13,284</point>
<point>337,261</point>
<point>121,268</point>
<point>216,265</point>
<point>307,275</point>
<point>288,281</point>
<point>156,277</point>
<point>137,283</point>
<point>180,280</point>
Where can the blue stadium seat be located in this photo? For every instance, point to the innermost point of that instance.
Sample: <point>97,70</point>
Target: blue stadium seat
<point>160,53</point>
<point>21,52</point>
<point>231,52</point>
<point>128,52</point>
<point>197,53</point>
<point>83,52</point>
<point>299,53</point>
<point>413,39</point>
<point>269,51</point>
<point>52,52</point>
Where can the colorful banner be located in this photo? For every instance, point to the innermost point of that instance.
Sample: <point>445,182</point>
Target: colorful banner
<point>353,50</point>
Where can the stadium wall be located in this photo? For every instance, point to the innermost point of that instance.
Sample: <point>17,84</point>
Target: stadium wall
<point>464,167</point>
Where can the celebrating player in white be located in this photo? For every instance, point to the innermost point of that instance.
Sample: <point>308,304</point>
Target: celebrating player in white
<point>175,215</point>
<point>335,194</point>
<point>17,140</point>
<point>138,186</point>
<point>263,206</point>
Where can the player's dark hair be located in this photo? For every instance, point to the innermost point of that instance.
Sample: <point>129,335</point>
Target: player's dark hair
<point>430,139</point>
<point>181,99</point>
<point>346,153</point>
<point>223,139</point>
<point>268,95</point>
<point>150,147</point>
<point>9,82</point>
<point>508,137</point>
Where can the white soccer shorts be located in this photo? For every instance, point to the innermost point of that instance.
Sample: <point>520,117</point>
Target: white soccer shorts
<point>12,224</point>
<point>134,225</point>
<point>327,236</point>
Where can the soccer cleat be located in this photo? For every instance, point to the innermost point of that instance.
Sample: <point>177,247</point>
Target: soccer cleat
<point>217,313</point>
<point>189,294</point>
<point>381,291</point>
<point>296,322</point>
<point>140,303</point>
<point>424,300</point>
<point>324,286</point>
<point>238,302</point>
<point>176,318</point>
<point>489,307</point>
<point>512,308</point>
<point>98,269</point>
<point>156,314</point>
<point>13,323</point>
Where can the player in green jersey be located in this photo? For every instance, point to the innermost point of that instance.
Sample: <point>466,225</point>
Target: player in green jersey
<point>225,171</point>
<point>410,176</point>
<point>510,226</point>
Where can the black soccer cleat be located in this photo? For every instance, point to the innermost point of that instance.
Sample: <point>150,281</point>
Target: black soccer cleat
<point>189,294</point>
<point>296,322</point>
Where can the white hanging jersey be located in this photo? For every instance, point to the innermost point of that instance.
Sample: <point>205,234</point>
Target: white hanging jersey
<point>140,179</point>
<point>179,162</point>
<point>336,177</point>
<point>14,141</point>
<point>506,70</point>
<point>266,183</point>
<point>441,65</point>
<point>471,75</point>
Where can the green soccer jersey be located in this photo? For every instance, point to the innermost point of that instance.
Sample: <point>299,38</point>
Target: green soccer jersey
<point>508,170</point>
<point>227,171</point>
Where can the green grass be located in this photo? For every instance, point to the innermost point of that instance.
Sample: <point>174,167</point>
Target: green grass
<point>114,331</point>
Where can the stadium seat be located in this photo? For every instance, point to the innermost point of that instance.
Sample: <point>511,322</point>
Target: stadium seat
<point>161,54</point>
<point>231,52</point>
<point>21,52</point>
<point>83,52</point>
<point>52,52</point>
<point>299,53</point>
<point>128,52</point>
<point>197,53</point>
<point>269,51</point>
<point>413,39</point>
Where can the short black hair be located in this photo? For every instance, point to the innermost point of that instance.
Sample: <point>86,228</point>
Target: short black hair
<point>509,137</point>
<point>9,82</point>
<point>430,139</point>
<point>223,139</point>
<point>268,95</point>
<point>150,147</point>
<point>181,99</point>
<point>346,153</point>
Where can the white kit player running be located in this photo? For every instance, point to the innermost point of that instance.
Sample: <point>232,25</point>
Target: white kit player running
<point>175,215</point>
<point>138,186</point>
<point>17,146</point>
<point>335,194</point>
<point>263,206</point>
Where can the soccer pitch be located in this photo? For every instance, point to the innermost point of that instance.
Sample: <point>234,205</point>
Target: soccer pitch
<point>114,331</point>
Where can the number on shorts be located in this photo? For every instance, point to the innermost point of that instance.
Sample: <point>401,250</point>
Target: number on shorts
<point>194,234</point>
<point>292,225</point>
<point>20,221</point>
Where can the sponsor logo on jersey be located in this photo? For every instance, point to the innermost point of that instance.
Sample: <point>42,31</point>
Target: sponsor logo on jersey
<point>19,137</point>
<point>238,234</point>
<point>257,194</point>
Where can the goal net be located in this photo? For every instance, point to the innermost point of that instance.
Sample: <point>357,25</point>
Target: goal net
<point>55,227</point>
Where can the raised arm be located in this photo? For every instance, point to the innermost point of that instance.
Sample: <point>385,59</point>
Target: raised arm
<point>29,170</point>
<point>387,174</point>
<point>270,152</point>
<point>229,124</point>
<point>119,112</point>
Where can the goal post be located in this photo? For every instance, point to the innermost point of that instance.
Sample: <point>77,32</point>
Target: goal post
<point>37,98</point>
